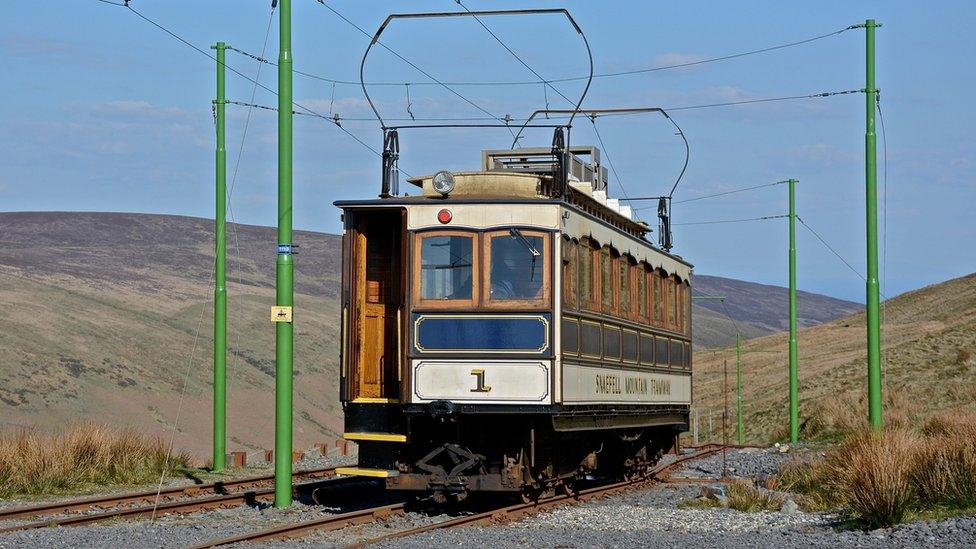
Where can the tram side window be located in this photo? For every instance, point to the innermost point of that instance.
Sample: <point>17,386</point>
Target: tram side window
<point>677,354</point>
<point>623,270</point>
<point>647,350</point>
<point>657,301</point>
<point>671,302</point>
<point>679,309</point>
<point>606,281</point>
<point>661,355</point>
<point>686,289</point>
<point>687,356</point>
<point>570,282</point>
<point>446,267</point>
<point>586,276</point>
<point>517,264</point>
<point>641,279</point>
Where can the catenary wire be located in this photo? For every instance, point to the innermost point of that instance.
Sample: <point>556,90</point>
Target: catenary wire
<point>249,79</point>
<point>763,218</point>
<point>685,201</point>
<point>884,239</point>
<point>684,107</point>
<point>348,82</point>
<point>240,271</point>
<point>414,65</point>
<point>521,61</point>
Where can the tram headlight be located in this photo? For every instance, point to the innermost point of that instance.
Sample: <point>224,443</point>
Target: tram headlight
<point>443,182</point>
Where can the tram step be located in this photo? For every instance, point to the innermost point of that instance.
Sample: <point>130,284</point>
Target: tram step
<point>366,472</point>
<point>375,437</point>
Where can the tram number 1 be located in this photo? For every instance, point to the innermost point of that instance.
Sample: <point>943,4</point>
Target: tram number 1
<point>479,376</point>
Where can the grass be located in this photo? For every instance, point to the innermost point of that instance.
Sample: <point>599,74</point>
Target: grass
<point>746,497</point>
<point>886,478</point>
<point>81,457</point>
<point>742,495</point>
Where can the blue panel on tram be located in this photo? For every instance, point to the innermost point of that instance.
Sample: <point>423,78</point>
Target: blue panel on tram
<point>501,333</point>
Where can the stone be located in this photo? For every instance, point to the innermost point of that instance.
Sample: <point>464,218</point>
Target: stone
<point>713,491</point>
<point>790,507</point>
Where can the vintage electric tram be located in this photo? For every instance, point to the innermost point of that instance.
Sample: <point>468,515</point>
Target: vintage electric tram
<point>510,329</point>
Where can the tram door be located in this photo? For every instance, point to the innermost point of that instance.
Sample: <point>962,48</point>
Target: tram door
<point>379,294</point>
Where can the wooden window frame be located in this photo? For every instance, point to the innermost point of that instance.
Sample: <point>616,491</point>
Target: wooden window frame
<point>570,262</point>
<point>640,276</point>
<point>544,302</point>
<point>628,273</point>
<point>607,309</point>
<point>437,304</point>
<point>589,302</point>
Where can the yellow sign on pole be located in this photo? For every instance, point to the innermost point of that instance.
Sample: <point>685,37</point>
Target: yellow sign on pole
<point>280,314</point>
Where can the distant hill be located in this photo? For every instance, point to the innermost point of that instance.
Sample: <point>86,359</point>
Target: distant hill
<point>758,309</point>
<point>107,316</point>
<point>930,345</point>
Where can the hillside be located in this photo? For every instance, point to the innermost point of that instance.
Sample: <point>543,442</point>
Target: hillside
<point>102,310</point>
<point>930,336</point>
<point>758,309</point>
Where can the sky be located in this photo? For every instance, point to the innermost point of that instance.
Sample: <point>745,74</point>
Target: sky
<point>104,112</point>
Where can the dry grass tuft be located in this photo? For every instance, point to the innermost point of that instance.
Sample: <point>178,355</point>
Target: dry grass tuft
<point>839,416</point>
<point>883,478</point>
<point>873,473</point>
<point>79,457</point>
<point>746,497</point>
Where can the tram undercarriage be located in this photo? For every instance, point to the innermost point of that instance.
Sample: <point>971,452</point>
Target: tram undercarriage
<point>508,453</point>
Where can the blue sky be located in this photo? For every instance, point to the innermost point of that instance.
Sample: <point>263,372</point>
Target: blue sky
<point>103,112</point>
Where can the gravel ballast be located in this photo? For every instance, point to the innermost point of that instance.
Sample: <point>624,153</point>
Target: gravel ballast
<point>645,518</point>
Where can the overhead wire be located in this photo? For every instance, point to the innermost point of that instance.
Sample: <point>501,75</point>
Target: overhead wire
<point>716,222</point>
<point>416,67</point>
<point>233,183</point>
<point>725,193</point>
<point>884,239</point>
<point>544,81</point>
<point>249,79</point>
<point>240,271</point>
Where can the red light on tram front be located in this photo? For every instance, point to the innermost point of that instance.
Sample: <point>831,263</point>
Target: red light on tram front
<point>444,216</point>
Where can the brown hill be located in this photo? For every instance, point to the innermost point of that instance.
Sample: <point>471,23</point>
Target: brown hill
<point>930,337</point>
<point>107,317</point>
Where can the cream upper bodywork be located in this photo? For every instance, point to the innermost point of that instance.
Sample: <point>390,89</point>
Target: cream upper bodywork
<point>546,215</point>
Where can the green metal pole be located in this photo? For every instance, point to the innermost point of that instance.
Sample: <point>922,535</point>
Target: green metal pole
<point>871,192</point>
<point>220,273</point>
<point>740,431</point>
<point>794,381</point>
<point>284,290</point>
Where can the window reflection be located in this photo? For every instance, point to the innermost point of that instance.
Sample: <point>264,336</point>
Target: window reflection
<point>516,273</point>
<point>446,268</point>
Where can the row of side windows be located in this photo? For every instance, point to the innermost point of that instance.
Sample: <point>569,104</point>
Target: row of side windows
<point>600,280</point>
<point>609,343</point>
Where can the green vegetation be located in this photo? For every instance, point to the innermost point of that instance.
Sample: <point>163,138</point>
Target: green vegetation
<point>900,474</point>
<point>746,497</point>
<point>81,457</point>
<point>742,495</point>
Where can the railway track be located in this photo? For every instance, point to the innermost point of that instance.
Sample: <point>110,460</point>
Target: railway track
<point>494,516</point>
<point>184,499</point>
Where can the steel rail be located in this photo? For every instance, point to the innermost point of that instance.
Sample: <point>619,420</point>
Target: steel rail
<point>325,524</point>
<point>216,488</point>
<point>365,516</point>
<point>518,511</point>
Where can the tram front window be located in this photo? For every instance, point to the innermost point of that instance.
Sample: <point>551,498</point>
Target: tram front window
<point>446,267</point>
<point>516,267</point>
